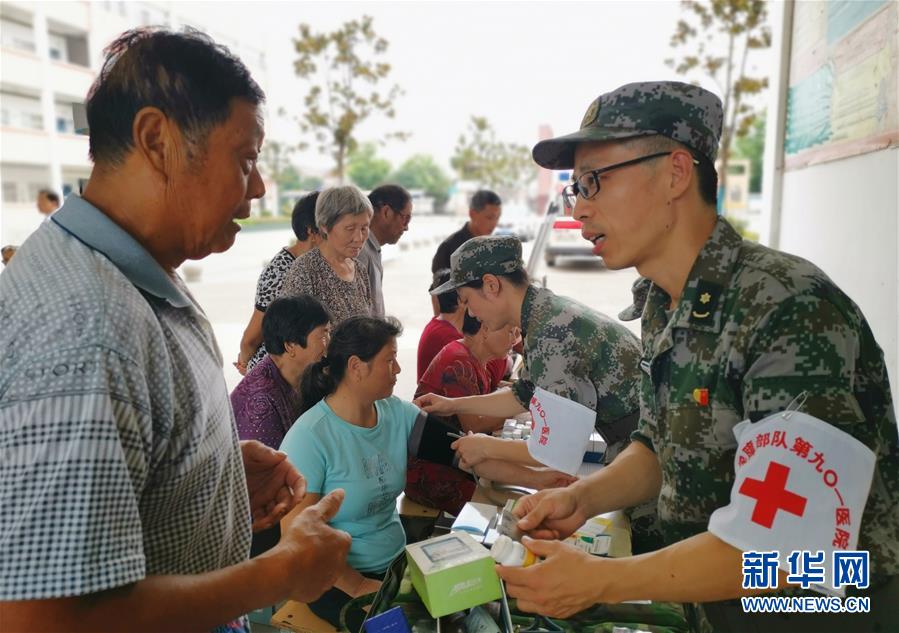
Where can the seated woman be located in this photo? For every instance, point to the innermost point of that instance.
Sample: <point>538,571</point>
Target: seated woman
<point>357,436</point>
<point>461,369</point>
<point>331,272</point>
<point>445,328</point>
<point>267,401</point>
<point>268,288</point>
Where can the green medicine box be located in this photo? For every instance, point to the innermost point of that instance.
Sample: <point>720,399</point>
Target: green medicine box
<point>452,572</point>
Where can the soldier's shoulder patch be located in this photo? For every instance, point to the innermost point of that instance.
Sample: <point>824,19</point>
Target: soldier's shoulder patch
<point>705,301</point>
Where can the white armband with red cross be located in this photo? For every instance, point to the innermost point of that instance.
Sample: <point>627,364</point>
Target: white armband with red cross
<point>801,484</point>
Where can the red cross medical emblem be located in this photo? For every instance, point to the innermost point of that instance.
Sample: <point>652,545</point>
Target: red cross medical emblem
<point>772,495</point>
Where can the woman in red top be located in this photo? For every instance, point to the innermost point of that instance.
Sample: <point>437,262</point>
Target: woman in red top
<point>445,328</point>
<point>461,369</point>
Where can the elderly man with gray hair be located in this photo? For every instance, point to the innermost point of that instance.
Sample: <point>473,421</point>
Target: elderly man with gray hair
<point>331,273</point>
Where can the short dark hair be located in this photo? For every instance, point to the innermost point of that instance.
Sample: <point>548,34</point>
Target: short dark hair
<point>290,320</point>
<point>517,278</point>
<point>449,300</point>
<point>186,75</point>
<point>51,195</point>
<point>393,196</point>
<point>303,218</point>
<point>706,174</point>
<point>483,198</point>
<point>470,325</point>
<point>361,336</point>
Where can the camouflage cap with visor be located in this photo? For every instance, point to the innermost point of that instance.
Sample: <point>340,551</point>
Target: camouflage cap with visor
<point>640,290</point>
<point>480,256</point>
<point>685,113</point>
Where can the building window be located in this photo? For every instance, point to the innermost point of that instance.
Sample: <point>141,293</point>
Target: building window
<point>65,120</point>
<point>57,45</point>
<point>10,192</point>
<point>21,111</point>
<point>17,35</point>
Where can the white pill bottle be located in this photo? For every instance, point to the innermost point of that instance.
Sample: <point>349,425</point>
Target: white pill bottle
<point>511,553</point>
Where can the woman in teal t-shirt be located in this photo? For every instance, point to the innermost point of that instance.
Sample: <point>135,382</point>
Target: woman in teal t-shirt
<point>358,436</point>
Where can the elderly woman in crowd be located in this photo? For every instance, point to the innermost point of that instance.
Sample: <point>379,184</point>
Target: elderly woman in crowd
<point>267,401</point>
<point>268,288</point>
<point>331,273</point>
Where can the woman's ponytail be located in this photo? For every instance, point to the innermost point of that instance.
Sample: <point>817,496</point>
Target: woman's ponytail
<point>317,383</point>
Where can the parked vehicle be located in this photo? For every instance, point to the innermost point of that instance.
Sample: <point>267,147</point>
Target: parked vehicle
<point>564,238</point>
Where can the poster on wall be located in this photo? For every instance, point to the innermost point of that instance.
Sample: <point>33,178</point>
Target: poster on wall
<point>844,81</point>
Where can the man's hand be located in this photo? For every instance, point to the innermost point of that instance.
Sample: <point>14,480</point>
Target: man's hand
<point>438,405</point>
<point>566,582</point>
<point>275,486</point>
<point>241,367</point>
<point>472,449</point>
<point>553,513</point>
<point>319,550</point>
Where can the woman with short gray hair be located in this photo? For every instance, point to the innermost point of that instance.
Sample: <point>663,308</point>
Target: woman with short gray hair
<point>331,273</point>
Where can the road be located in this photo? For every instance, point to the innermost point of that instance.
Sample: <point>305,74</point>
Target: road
<point>227,286</point>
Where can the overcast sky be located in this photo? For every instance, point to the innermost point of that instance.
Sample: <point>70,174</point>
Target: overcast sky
<point>520,64</point>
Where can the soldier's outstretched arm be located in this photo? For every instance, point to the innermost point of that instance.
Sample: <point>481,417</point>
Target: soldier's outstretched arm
<point>632,478</point>
<point>499,404</point>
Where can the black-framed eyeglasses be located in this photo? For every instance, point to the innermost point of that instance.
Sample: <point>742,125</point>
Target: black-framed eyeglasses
<point>587,184</point>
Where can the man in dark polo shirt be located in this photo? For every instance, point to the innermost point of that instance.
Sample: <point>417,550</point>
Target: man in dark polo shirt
<point>483,216</point>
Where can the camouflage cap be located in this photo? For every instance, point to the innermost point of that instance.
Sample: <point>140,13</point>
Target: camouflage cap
<point>685,113</point>
<point>480,256</point>
<point>640,290</point>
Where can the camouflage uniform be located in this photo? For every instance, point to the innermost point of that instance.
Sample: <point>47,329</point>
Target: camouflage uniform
<point>582,355</point>
<point>569,349</point>
<point>572,351</point>
<point>757,328</point>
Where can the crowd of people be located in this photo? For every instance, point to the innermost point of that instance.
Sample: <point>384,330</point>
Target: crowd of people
<point>134,487</point>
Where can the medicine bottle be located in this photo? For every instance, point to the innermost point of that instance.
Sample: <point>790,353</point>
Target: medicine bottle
<point>505,551</point>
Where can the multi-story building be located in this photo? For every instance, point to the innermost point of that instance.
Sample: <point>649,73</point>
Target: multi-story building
<point>50,53</point>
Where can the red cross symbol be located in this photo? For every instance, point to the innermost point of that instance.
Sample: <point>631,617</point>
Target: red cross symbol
<point>772,495</point>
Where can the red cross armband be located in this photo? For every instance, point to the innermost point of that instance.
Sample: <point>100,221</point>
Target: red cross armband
<point>800,484</point>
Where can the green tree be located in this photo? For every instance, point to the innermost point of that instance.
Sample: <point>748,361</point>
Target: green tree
<point>290,179</point>
<point>421,172</point>
<point>344,74</point>
<point>274,159</point>
<point>311,183</point>
<point>365,168</point>
<point>716,37</point>
<point>479,156</point>
<point>752,147</point>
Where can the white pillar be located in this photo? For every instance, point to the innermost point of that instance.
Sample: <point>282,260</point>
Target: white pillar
<point>773,161</point>
<point>48,104</point>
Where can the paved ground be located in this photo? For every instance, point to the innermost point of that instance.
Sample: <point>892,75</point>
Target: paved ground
<point>227,286</point>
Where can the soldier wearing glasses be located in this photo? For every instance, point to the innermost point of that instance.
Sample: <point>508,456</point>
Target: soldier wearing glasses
<point>731,331</point>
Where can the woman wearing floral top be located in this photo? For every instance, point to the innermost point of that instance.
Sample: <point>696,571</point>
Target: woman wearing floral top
<point>331,272</point>
<point>268,288</point>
